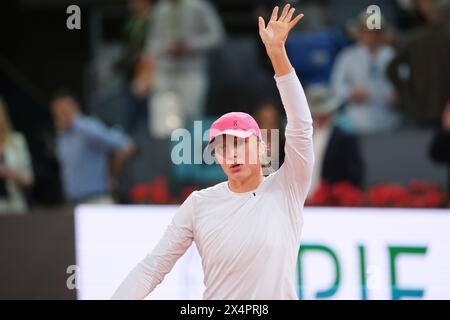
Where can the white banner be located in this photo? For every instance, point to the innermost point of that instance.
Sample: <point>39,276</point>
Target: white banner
<point>345,253</point>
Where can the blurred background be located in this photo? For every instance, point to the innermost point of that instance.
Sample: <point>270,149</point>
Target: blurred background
<point>89,100</point>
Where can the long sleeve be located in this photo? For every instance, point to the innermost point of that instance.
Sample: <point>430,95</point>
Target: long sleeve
<point>297,168</point>
<point>151,271</point>
<point>100,135</point>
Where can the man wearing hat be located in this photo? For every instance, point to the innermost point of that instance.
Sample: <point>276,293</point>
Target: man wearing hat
<point>359,79</point>
<point>247,229</point>
<point>336,151</point>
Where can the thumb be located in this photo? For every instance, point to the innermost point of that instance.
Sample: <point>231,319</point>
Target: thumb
<point>261,24</point>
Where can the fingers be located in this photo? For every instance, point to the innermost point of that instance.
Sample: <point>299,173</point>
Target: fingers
<point>285,12</point>
<point>289,15</point>
<point>286,16</point>
<point>261,24</point>
<point>274,16</point>
<point>295,21</point>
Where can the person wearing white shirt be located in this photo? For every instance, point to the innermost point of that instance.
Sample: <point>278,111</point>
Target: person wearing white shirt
<point>16,169</point>
<point>247,229</point>
<point>182,35</point>
<point>359,80</point>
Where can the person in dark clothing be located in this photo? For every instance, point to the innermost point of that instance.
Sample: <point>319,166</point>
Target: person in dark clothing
<point>134,38</point>
<point>421,70</point>
<point>136,70</point>
<point>440,145</point>
<point>336,151</point>
<point>342,161</point>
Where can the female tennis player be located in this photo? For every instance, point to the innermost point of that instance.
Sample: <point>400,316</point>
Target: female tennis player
<point>247,229</point>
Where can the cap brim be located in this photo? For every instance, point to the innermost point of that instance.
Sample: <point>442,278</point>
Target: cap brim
<point>231,132</point>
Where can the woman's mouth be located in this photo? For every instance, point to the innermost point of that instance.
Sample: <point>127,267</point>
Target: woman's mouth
<point>235,167</point>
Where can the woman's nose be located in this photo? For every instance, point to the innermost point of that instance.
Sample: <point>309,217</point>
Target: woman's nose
<point>231,154</point>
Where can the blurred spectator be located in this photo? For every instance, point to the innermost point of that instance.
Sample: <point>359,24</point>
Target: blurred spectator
<point>336,151</point>
<point>16,171</point>
<point>411,14</point>
<point>421,69</point>
<point>135,70</point>
<point>440,146</point>
<point>359,80</point>
<point>84,149</point>
<point>407,17</point>
<point>134,38</point>
<point>269,118</point>
<point>426,10</point>
<point>182,34</point>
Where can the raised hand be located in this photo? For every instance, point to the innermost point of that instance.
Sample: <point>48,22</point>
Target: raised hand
<point>274,36</point>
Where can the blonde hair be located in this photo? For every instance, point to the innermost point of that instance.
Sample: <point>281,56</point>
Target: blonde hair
<point>5,129</point>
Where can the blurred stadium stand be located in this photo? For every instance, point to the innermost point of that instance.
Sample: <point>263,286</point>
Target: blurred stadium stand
<point>400,157</point>
<point>81,60</point>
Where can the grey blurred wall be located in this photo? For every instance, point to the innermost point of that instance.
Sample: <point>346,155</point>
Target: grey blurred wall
<point>35,252</point>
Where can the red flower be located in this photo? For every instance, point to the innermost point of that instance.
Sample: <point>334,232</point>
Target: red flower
<point>155,192</point>
<point>159,193</point>
<point>389,196</point>
<point>140,193</point>
<point>186,192</point>
<point>346,195</point>
<point>420,187</point>
<point>342,194</point>
<point>433,199</point>
<point>320,197</point>
<point>425,195</point>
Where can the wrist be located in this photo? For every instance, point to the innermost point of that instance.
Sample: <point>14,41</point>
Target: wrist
<point>276,51</point>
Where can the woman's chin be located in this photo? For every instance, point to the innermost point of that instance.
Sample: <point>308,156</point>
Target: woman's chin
<point>238,174</point>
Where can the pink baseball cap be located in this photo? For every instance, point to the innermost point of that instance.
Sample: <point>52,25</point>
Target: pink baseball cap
<point>238,124</point>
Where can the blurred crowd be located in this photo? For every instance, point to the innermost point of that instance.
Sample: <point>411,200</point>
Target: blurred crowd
<point>365,82</point>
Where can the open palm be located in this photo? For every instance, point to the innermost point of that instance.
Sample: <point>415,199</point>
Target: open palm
<point>277,30</point>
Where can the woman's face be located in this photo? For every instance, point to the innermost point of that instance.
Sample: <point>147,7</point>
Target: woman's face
<point>64,111</point>
<point>371,38</point>
<point>238,157</point>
